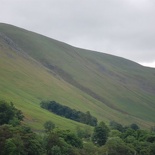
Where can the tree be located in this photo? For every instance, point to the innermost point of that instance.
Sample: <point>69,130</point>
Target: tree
<point>91,149</point>
<point>100,134</point>
<point>116,126</point>
<point>14,146</point>
<point>150,138</point>
<point>6,113</point>
<point>114,133</point>
<point>17,140</point>
<point>116,146</point>
<point>49,126</point>
<point>152,149</point>
<point>56,150</point>
<point>128,132</point>
<point>9,114</point>
<point>134,126</point>
<point>67,112</point>
<point>58,144</point>
<point>70,138</point>
<point>84,132</point>
<point>10,147</point>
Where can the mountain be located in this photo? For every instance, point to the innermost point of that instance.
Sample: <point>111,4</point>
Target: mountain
<point>35,68</point>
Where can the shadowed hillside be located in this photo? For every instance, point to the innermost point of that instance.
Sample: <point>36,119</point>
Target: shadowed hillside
<point>35,68</point>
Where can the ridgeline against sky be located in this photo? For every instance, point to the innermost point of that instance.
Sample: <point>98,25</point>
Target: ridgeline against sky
<point>119,27</point>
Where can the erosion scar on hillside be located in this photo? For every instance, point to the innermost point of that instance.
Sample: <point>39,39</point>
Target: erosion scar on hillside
<point>68,78</point>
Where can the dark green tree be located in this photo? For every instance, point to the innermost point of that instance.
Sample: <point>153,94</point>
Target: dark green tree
<point>116,146</point>
<point>17,140</point>
<point>67,112</point>
<point>114,133</point>
<point>116,126</point>
<point>49,126</point>
<point>152,149</point>
<point>100,134</point>
<point>70,138</point>
<point>56,150</point>
<point>14,146</point>
<point>151,138</point>
<point>9,114</point>
<point>55,144</point>
<point>84,132</point>
<point>134,126</point>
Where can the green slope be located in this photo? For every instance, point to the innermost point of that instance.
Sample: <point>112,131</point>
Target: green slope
<point>35,68</point>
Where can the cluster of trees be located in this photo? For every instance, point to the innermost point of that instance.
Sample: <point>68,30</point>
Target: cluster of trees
<point>114,139</point>
<point>123,140</point>
<point>67,112</point>
<point>9,114</point>
<point>16,139</point>
<point>19,140</point>
<point>62,142</point>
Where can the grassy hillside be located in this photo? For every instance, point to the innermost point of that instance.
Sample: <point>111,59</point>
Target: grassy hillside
<point>35,68</point>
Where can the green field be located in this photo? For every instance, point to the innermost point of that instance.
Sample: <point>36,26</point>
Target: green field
<point>35,68</point>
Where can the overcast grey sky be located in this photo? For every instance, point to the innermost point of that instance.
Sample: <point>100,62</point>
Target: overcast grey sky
<point>124,28</point>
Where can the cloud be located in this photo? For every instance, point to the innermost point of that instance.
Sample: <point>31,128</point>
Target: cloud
<point>119,27</point>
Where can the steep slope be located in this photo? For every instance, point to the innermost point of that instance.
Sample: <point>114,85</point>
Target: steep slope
<point>35,68</point>
<point>25,82</point>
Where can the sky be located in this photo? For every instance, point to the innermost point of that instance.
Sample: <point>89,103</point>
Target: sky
<point>124,28</point>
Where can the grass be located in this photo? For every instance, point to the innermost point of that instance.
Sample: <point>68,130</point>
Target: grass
<point>111,88</point>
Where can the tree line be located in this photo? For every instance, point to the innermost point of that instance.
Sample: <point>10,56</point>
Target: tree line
<point>19,139</point>
<point>69,113</point>
<point>113,139</point>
